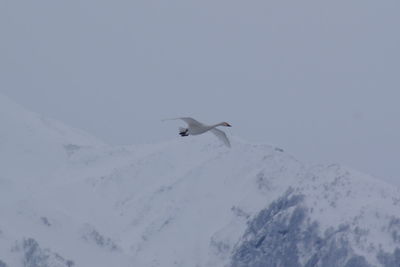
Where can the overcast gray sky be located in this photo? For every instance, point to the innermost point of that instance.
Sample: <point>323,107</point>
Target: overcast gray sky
<point>320,79</point>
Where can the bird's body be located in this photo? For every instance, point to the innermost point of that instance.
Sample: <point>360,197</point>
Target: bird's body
<point>195,127</point>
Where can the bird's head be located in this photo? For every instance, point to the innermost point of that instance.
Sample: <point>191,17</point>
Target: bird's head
<point>226,124</point>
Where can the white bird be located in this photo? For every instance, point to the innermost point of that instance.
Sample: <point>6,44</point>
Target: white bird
<point>195,128</point>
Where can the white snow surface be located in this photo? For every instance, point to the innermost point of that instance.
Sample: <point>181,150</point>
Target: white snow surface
<point>186,202</point>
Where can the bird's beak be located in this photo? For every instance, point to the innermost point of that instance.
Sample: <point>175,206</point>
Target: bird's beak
<point>228,125</point>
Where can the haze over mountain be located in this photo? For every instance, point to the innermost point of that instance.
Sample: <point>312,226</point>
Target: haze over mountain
<point>318,78</point>
<point>68,199</point>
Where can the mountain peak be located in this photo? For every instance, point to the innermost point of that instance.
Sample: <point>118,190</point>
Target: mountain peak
<point>186,202</point>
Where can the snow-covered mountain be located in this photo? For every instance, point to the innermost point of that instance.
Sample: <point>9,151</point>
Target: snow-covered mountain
<point>67,199</point>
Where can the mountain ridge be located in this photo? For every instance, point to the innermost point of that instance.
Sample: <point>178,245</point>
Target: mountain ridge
<point>185,202</point>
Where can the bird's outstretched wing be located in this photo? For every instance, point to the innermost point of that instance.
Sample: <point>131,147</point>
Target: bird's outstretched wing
<point>190,121</point>
<point>221,136</point>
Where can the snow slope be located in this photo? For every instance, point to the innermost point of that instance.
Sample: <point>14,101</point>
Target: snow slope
<point>67,199</point>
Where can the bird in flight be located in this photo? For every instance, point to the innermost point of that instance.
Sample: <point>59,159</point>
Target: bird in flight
<point>195,127</point>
